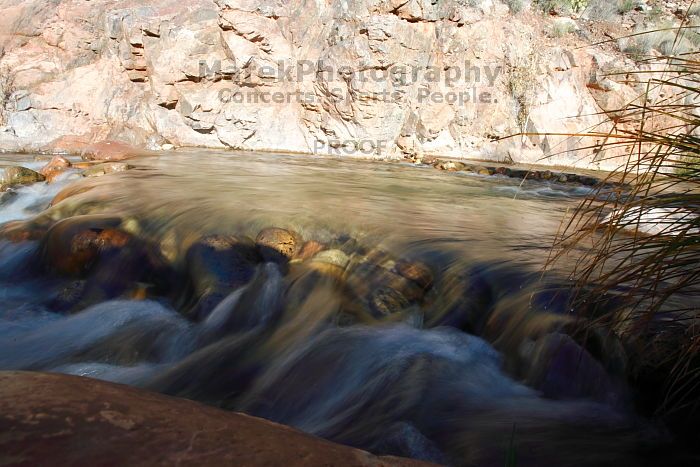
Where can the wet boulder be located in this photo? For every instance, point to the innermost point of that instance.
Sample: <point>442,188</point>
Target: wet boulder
<point>99,170</point>
<point>56,166</point>
<point>522,174</point>
<point>382,291</point>
<point>68,296</point>
<point>113,262</point>
<point>466,299</point>
<point>562,369</point>
<point>253,307</point>
<point>73,245</point>
<point>385,301</point>
<point>415,271</point>
<point>335,257</point>
<point>349,245</point>
<point>16,175</point>
<point>217,265</point>
<point>326,265</point>
<point>450,166</point>
<point>588,181</point>
<point>277,245</point>
<point>480,170</point>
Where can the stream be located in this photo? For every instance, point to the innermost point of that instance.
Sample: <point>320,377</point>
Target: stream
<point>386,306</point>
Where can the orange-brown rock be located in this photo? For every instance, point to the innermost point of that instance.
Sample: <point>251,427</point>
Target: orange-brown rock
<point>50,419</point>
<point>69,144</point>
<point>111,151</point>
<point>72,245</point>
<point>54,168</point>
<point>86,164</point>
<point>416,272</point>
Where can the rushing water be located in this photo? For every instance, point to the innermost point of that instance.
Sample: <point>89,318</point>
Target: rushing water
<point>477,365</point>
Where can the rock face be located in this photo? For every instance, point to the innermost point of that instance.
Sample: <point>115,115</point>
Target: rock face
<point>65,420</point>
<point>369,78</point>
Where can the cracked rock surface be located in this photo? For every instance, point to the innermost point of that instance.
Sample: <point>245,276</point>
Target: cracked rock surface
<point>407,78</point>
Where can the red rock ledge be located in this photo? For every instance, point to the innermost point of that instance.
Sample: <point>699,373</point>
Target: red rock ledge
<point>48,419</point>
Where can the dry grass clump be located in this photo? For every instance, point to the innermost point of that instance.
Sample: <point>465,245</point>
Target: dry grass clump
<point>642,245</point>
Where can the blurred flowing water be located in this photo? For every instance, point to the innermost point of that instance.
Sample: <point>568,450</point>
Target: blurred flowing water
<point>479,366</point>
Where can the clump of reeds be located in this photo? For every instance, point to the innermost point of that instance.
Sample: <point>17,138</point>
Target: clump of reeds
<point>642,243</point>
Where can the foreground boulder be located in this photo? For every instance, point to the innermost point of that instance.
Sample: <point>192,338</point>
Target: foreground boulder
<point>52,419</point>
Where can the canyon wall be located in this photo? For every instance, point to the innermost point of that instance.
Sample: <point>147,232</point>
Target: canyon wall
<point>398,78</point>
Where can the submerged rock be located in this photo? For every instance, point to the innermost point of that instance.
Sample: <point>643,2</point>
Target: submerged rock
<point>277,244</point>
<point>68,297</point>
<point>416,272</point>
<point>588,181</point>
<point>450,166</point>
<point>16,175</point>
<point>107,168</point>
<point>386,301</point>
<point>334,257</point>
<point>562,369</point>
<point>22,231</point>
<point>68,420</point>
<point>217,265</point>
<point>115,263</point>
<point>382,291</point>
<point>73,245</point>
